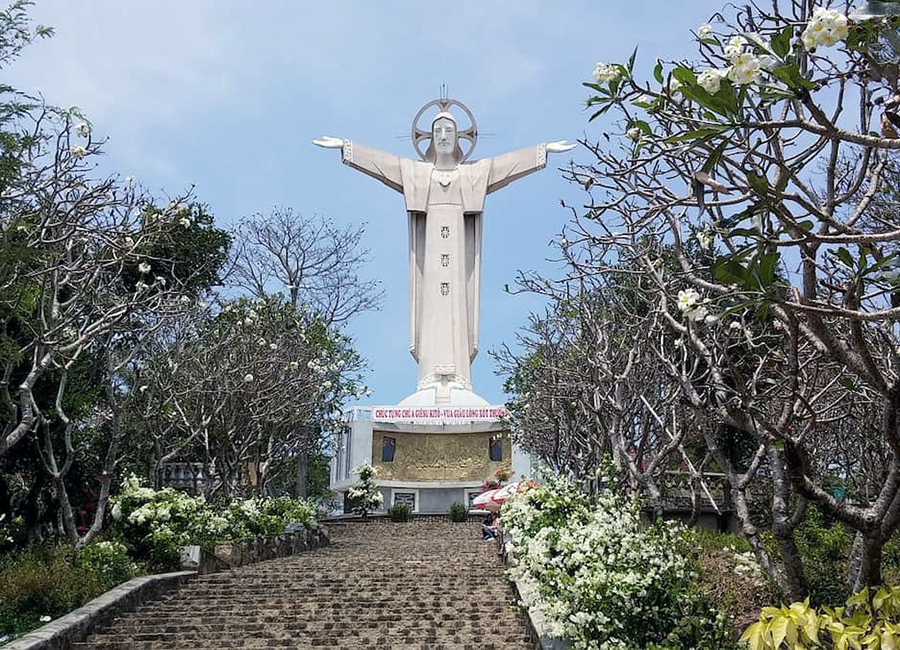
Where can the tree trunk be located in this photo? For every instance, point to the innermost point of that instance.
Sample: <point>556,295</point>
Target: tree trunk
<point>792,562</point>
<point>302,463</point>
<point>869,573</point>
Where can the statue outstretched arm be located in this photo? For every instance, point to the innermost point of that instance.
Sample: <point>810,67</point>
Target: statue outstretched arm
<point>512,166</point>
<point>377,164</point>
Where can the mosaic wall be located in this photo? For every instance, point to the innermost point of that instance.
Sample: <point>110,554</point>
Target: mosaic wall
<point>438,456</point>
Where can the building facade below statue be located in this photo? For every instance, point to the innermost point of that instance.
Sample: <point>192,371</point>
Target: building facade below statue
<point>427,456</point>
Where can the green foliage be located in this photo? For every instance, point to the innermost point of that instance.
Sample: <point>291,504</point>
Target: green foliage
<point>825,546</point>
<point>193,258</point>
<point>459,512</point>
<point>706,539</point>
<point>400,512</point>
<point>46,583</point>
<point>870,620</point>
<point>600,579</point>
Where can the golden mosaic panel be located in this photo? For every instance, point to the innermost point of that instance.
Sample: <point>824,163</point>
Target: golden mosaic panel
<point>438,456</point>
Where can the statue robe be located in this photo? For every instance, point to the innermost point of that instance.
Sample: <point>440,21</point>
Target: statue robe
<point>414,179</point>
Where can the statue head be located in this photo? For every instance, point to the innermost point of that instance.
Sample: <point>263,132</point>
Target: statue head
<point>444,138</point>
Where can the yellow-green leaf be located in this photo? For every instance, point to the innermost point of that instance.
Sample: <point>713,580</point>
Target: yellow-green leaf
<point>778,629</point>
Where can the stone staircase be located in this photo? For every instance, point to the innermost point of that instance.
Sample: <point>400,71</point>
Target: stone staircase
<point>433,585</point>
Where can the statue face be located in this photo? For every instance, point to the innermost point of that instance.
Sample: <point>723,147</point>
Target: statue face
<point>443,135</point>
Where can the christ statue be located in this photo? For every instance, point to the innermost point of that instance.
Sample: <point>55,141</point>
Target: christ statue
<point>444,198</point>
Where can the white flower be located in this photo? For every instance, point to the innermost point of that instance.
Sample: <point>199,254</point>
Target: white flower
<point>687,298</point>
<point>294,365</point>
<point>273,346</point>
<point>83,129</point>
<point>326,384</point>
<point>185,300</point>
<point>705,31</point>
<point>141,286</point>
<point>642,99</point>
<point>45,619</point>
<point>734,325</point>
<point>248,322</point>
<point>706,238</point>
<point>674,85</point>
<point>143,388</point>
<point>697,313</point>
<point>184,221</point>
<point>711,80</point>
<point>604,72</point>
<point>746,69</point>
<point>78,151</point>
<point>144,268</point>
<point>827,27</point>
<point>634,133</point>
<point>768,62</point>
<point>248,378</point>
<point>735,48</point>
<point>261,341</point>
<point>129,242</point>
<point>129,179</point>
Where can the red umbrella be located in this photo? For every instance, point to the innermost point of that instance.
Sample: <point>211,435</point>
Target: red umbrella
<point>485,501</point>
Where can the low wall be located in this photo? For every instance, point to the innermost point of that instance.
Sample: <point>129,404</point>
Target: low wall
<point>535,616</point>
<point>230,555</point>
<point>75,626</point>
<point>381,518</point>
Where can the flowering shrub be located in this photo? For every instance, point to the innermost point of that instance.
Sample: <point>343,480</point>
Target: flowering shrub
<point>109,560</point>
<point>600,580</point>
<point>251,518</point>
<point>157,523</point>
<point>365,495</point>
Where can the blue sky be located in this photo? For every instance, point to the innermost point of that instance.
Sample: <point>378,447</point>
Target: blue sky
<point>227,95</point>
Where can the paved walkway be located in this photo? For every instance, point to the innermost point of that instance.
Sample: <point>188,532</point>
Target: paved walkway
<point>431,585</point>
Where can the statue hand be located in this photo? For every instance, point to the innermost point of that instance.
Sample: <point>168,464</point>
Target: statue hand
<point>328,142</point>
<point>559,146</point>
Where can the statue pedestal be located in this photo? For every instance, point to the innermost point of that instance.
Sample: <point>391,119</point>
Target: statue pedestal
<point>429,456</point>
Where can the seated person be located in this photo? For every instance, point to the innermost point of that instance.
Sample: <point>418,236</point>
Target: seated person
<point>490,528</point>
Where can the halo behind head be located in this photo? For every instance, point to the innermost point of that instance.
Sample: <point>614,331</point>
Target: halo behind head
<point>470,134</point>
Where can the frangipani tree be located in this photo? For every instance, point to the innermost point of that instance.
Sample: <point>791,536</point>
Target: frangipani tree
<point>749,193</point>
<point>244,385</point>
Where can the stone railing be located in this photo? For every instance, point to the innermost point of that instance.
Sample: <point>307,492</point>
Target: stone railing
<point>230,555</point>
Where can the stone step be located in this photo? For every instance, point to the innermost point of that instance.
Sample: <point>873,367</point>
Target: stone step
<point>355,645</point>
<point>430,585</point>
